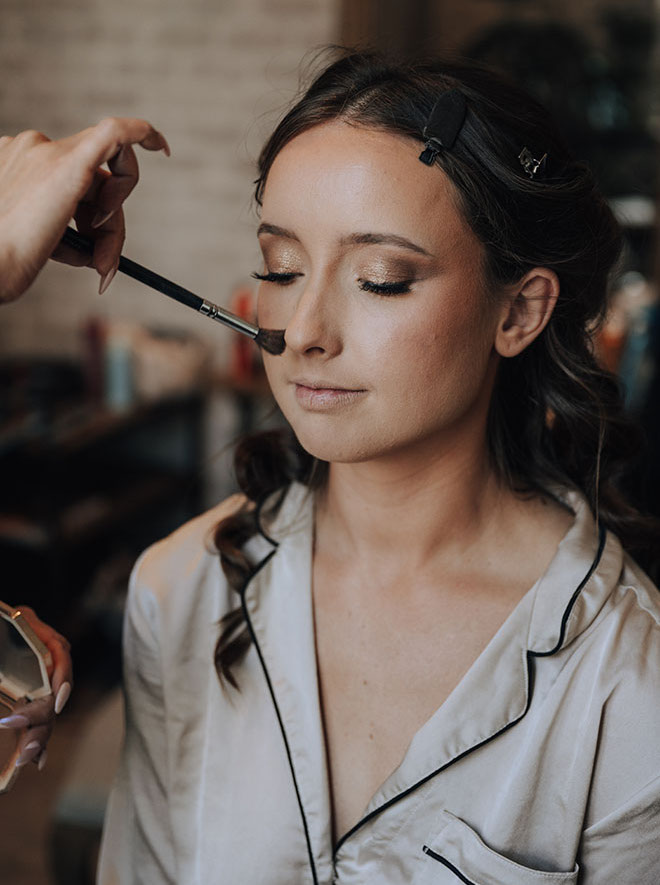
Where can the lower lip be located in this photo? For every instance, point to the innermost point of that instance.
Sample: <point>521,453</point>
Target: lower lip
<point>324,398</point>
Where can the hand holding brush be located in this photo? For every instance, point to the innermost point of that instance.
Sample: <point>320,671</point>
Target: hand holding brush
<point>44,183</point>
<point>271,340</point>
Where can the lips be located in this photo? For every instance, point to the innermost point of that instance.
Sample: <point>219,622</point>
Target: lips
<point>322,395</point>
<point>324,385</point>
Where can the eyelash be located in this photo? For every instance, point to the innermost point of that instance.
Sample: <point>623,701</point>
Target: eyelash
<point>398,288</point>
<point>284,279</point>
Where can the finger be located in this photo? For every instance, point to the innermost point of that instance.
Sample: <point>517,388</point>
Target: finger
<point>83,214</point>
<point>117,186</point>
<point>45,632</point>
<point>32,745</point>
<point>108,243</point>
<point>29,753</point>
<point>100,143</point>
<point>97,182</point>
<point>68,255</point>
<point>61,671</point>
<point>105,243</point>
<point>86,212</point>
<point>36,713</point>
<point>15,720</point>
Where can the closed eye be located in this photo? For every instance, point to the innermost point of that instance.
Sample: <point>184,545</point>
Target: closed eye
<point>394,288</point>
<point>281,279</point>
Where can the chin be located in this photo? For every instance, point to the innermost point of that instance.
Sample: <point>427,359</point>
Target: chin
<point>335,449</point>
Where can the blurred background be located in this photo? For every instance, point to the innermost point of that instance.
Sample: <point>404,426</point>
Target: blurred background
<point>118,413</point>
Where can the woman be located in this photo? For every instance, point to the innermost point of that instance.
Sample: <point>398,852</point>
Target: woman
<point>436,663</point>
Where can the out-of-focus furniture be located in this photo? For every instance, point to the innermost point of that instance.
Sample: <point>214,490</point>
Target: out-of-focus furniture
<point>79,482</point>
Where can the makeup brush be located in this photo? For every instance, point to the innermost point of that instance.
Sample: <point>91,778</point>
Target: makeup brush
<point>271,340</point>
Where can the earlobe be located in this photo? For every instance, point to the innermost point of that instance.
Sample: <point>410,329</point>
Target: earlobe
<point>526,312</point>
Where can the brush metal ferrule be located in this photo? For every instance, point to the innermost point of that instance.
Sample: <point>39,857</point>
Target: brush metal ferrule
<point>208,309</point>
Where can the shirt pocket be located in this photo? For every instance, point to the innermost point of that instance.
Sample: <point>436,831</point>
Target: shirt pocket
<point>457,855</point>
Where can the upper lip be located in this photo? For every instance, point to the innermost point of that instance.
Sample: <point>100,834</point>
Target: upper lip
<point>318,384</point>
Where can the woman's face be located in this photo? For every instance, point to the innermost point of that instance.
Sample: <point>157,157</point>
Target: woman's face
<point>378,281</point>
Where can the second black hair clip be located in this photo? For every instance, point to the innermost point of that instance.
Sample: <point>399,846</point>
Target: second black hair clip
<point>444,123</point>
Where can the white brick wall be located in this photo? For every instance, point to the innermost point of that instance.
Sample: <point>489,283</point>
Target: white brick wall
<point>213,75</point>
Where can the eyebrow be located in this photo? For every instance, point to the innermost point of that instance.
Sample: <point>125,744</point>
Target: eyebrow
<point>369,239</point>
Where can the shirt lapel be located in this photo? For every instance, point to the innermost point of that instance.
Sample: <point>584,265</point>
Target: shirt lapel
<point>279,606</point>
<point>496,691</point>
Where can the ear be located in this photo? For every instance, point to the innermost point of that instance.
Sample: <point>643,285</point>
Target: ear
<point>526,312</point>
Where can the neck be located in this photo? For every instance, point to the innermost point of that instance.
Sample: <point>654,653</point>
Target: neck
<point>417,507</point>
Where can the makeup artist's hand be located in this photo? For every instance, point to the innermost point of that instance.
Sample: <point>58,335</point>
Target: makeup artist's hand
<point>44,183</point>
<point>37,717</point>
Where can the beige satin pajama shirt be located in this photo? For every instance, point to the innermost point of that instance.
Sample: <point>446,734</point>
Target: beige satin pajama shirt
<point>541,768</point>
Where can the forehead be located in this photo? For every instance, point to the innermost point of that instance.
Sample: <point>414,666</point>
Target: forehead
<point>338,177</point>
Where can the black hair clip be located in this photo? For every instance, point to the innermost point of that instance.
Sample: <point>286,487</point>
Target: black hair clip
<point>533,167</point>
<point>443,126</point>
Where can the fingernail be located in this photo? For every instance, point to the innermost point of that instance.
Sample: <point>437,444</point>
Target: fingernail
<point>101,218</point>
<point>29,753</point>
<point>16,721</point>
<point>41,764</point>
<point>63,696</point>
<point>107,279</point>
<point>166,147</point>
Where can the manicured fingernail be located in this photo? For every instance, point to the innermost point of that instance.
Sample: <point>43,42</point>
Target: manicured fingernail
<point>29,753</point>
<point>166,147</point>
<point>107,279</point>
<point>101,218</point>
<point>41,764</point>
<point>63,696</point>
<point>16,721</point>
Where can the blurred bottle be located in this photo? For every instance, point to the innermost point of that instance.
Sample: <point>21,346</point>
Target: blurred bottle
<point>94,332</point>
<point>244,354</point>
<point>637,364</point>
<point>118,365</point>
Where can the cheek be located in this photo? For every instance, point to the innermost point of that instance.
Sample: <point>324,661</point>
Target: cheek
<point>273,309</point>
<point>445,360</point>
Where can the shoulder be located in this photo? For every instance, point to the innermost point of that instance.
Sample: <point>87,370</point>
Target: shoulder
<point>625,634</point>
<point>628,678</point>
<point>646,595</point>
<point>634,637</point>
<point>188,545</point>
<point>635,615</point>
<point>182,570</point>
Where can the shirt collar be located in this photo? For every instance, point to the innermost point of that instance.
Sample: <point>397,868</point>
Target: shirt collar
<point>491,696</point>
<point>576,584</point>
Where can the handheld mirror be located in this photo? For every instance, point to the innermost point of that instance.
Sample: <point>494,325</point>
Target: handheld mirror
<point>24,663</point>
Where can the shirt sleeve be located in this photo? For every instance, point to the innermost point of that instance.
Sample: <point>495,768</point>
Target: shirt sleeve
<point>137,842</point>
<point>624,847</point>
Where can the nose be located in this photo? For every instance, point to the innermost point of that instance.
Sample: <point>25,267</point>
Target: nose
<point>314,328</point>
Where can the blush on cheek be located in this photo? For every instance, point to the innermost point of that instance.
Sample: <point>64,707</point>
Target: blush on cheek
<point>272,313</point>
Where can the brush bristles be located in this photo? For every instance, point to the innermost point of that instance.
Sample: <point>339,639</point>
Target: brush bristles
<point>271,340</point>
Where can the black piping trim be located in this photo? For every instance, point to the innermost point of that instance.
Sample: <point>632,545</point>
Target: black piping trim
<point>258,514</point>
<point>530,680</point>
<point>277,709</point>
<point>602,537</point>
<point>446,863</point>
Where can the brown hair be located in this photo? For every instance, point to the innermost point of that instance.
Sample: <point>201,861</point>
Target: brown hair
<point>556,417</point>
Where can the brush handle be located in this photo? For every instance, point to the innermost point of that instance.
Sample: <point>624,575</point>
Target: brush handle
<point>138,272</point>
